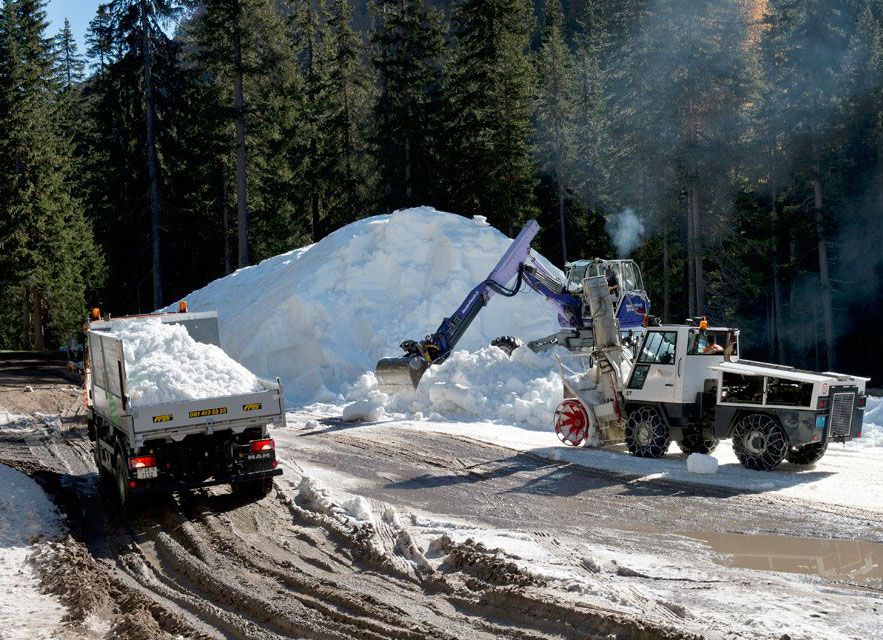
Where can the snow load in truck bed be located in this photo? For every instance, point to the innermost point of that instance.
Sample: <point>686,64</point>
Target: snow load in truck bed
<point>165,364</point>
<point>321,315</point>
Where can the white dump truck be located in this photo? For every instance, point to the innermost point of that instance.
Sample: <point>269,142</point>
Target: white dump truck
<point>172,446</point>
<point>687,383</point>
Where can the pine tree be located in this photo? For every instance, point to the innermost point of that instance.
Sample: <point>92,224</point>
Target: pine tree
<point>680,113</point>
<point>139,25</point>
<point>351,95</point>
<point>556,109</point>
<point>47,258</point>
<point>71,65</point>
<point>408,53</point>
<point>804,45</point>
<point>492,87</point>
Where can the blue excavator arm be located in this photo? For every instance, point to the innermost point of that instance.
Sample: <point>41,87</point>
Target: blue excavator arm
<point>518,263</point>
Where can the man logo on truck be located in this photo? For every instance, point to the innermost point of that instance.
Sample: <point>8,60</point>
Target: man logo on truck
<point>202,413</point>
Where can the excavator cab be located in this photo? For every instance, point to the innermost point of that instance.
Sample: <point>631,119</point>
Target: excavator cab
<point>631,301</point>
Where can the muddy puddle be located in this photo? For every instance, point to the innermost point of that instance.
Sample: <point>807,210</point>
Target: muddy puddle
<point>849,560</point>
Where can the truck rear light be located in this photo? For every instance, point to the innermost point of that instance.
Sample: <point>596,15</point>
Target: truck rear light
<point>823,403</point>
<point>141,462</point>
<point>262,445</point>
<point>862,401</point>
<point>275,464</point>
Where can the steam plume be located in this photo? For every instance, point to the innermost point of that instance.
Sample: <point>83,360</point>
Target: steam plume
<point>626,230</point>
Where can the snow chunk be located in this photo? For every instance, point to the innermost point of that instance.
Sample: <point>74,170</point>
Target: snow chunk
<point>701,463</point>
<point>362,411</point>
<point>165,364</point>
<point>321,315</point>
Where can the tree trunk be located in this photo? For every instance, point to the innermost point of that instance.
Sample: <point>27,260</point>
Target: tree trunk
<point>315,211</point>
<point>665,283</point>
<point>698,271</point>
<point>25,318</point>
<point>152,169</point>
<point>228,267</point>
<point>776,325</point>
<point>691,264</point>
<point>37,321</point>
<point>559,180</point>
<point>824,276</point>
<point>239,99</point>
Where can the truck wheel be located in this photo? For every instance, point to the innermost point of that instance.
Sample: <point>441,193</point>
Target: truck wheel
<point>646,433</point>
<point>121,476</point>
<point>104,476</point>
<point>694,442</point>
<point>759,442</point>
<point>506,343</point>
<point>807,454</point>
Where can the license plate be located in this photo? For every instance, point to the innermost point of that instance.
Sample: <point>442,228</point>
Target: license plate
<point>146,473</point>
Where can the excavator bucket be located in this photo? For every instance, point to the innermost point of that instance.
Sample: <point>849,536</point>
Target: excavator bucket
<point>400,374</point>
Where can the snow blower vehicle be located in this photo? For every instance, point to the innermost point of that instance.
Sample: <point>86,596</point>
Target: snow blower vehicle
<point>518,263</point>
<point>687,383</point>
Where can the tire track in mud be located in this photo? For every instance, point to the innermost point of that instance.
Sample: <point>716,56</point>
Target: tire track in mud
<point>209,566</point>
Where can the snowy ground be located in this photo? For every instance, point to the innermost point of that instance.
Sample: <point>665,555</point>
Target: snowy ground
<point>27,516</point>
<point>624,556</point>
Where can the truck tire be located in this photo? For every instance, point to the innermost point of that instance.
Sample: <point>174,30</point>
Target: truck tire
<point>646,433</point>
<point>694,442</point>
<point>124,496</point>
<point>104,476</point>
<point>255,489</point>
<point>807,454</point>
<point>759,442</point>
<point>506,343</point>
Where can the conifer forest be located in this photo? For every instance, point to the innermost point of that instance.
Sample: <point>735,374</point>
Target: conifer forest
<point>741,142</point>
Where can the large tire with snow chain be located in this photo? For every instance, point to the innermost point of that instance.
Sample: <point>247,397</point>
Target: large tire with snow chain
<point>759,441</point>
<point>807,454</point>
<point>506,343</point>
<point>694,442</point>
<point>646,433</point>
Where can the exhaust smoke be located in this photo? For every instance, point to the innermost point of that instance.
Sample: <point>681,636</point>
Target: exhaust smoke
<point>626,231</point>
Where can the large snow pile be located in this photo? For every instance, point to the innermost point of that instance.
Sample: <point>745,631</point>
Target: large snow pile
<point>321,315</point>
<point>165,364</point>
<point>485,384</point>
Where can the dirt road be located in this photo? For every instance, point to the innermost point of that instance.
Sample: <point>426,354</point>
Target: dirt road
<point>419,536</point>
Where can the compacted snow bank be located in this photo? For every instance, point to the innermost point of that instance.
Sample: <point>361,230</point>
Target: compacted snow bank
<point>26,516</point>
<point>321,315</point>
<point>165,364</point>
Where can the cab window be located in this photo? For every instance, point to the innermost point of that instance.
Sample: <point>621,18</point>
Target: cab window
<point>700,343</point>
<point>629,282</point>
<point>659,348</point>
